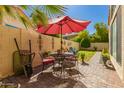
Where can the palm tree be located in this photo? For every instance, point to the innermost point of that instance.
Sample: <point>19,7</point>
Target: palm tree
<point>39,15</point>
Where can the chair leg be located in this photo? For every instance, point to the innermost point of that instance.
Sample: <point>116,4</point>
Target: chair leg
<point>62,68</point>
<point>53,65</point>
<point>43,67</point>
<point>77,65</point>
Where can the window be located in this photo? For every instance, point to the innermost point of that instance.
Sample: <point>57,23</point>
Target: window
<point>112,10</point>
<point>119,30</point>
<point>116,37</point>
<point>111,47</point>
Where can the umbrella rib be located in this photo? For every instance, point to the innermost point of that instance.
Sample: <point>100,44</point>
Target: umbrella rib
<point>47,29</point>
<point>70,27</point>
<point>77,23</point>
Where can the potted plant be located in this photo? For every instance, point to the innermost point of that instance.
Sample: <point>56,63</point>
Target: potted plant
<point>105,55</point>
<point>81,55</point>
<point>106,59</point>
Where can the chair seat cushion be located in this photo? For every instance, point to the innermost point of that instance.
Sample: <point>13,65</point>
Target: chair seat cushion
<point>48,61</point>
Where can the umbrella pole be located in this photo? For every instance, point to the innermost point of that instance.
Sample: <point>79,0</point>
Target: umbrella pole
<point>61,38</point>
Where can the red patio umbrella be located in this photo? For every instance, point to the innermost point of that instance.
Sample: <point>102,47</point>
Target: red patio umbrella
<point>63,25</point>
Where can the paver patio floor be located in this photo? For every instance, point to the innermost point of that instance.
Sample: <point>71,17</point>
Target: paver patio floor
<point>98,76</point>
<point>94,75</point>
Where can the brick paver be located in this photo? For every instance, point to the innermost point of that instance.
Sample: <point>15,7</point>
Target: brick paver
<point>94,75</point>
<point>97,75</point>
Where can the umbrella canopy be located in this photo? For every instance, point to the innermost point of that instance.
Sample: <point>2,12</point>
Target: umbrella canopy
<point>63,25</point>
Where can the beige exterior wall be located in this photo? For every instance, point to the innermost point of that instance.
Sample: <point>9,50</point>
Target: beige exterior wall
<point>100,46</point>
<point>7,46</point>
<point>119,68</point>
<point>11,21</point>
<point>122,42</point>
<point>14,21</point>
<point>6,49</point>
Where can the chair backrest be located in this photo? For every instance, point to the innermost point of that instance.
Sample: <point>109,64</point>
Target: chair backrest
<point>73,50</point>
<point>41,56</point>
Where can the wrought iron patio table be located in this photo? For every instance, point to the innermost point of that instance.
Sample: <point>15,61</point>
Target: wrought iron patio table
<point>61,58</point>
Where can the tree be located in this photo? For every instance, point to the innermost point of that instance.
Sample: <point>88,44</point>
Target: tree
<point>83,38</point>
<point>95,38</point>
<point>83,34</point>
<point>39,15</point>
<point>85,43</point>
<point>76,39</point>
<point>101,34</point>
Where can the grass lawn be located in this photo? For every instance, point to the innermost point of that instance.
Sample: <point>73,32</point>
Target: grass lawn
<point>88,55</point>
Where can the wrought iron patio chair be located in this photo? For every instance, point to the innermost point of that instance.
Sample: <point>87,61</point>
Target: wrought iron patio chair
<point>46,60</point>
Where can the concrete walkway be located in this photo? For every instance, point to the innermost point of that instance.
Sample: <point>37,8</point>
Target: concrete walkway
<point>97,75</point>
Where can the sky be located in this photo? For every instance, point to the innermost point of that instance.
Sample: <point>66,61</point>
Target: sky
<point>93,13</point>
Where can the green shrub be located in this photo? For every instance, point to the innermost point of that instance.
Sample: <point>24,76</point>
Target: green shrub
<point>105,50</point>
<point>95,48</point>
<point>105,55</point>
<point>85,42</point>
<point>82,55</point>
<point>78,54</point>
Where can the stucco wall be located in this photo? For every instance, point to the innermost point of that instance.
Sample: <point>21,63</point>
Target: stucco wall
<point>14,21</point>
<point>99,46</point>
<point>7,46</point>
